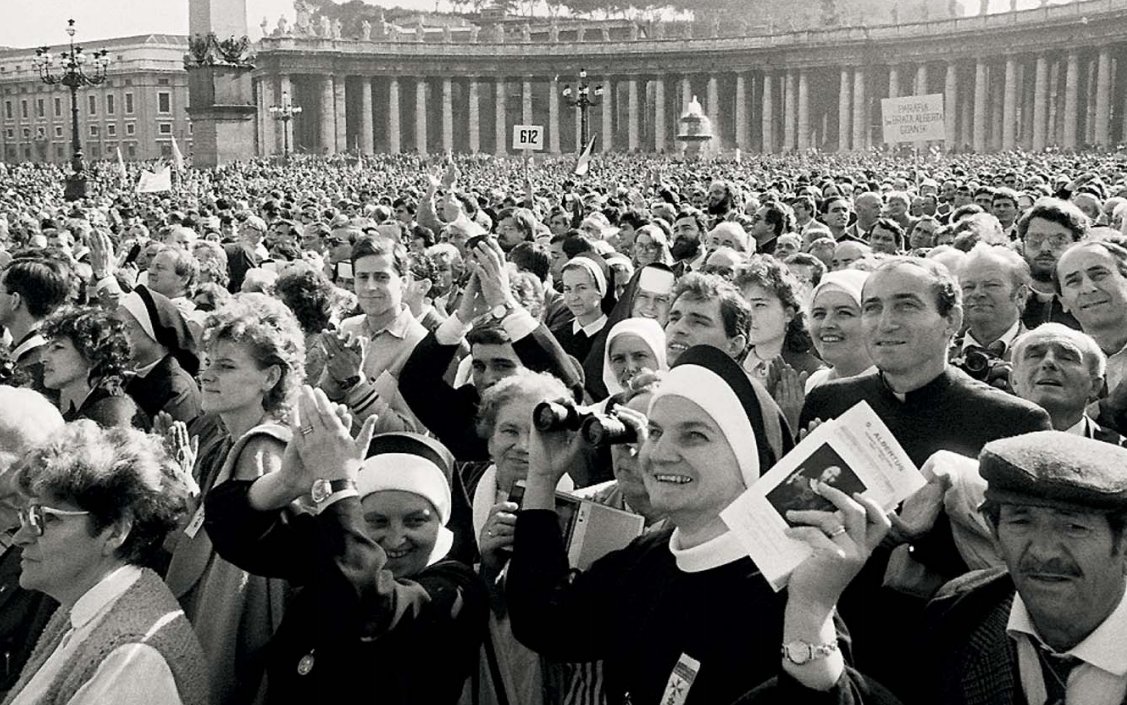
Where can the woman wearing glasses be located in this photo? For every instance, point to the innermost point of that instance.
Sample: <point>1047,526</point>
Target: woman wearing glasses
<point>119,635</point>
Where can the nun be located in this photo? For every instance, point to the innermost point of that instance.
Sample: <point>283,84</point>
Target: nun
<point>681,614</point>
<point>589,294</point>
<point>163,355</point>
<point>382,608</point>
<point>633,346</point>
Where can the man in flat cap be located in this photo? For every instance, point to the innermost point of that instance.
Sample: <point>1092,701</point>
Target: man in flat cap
<point>1050,627</point>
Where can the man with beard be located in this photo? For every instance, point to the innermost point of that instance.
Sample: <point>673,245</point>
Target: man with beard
<point>688,229</point>
<point>720,199</point>
<point>1046,231</point>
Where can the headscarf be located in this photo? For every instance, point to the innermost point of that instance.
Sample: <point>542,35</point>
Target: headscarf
<point>645,328</point>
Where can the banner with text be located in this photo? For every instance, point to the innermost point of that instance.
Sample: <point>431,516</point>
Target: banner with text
<point>916,118</point>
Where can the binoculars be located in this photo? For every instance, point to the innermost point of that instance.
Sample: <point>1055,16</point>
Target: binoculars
<point>596,429</point>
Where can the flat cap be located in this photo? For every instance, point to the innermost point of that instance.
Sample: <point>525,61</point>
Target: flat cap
<point>1055,469</point>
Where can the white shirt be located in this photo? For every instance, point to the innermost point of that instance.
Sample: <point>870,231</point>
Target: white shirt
<point>1101,678</point>
<point>132,674</point>
<point>591,329</point>
<point>1116,368</point>
<point>1007,338</point>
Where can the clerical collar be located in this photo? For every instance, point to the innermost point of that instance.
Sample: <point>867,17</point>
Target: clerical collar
<point>720,551</point>
<point>930,390</point>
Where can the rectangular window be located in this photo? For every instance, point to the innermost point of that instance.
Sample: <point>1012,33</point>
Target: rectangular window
<point>58,107</point>
<point>60,150</point>
<point>166,128</point>
<point>110,105</point>
<point>10,133</point>
<point>111,130</point>
<point>93,130</point>
<point>130,128</point>
<point>58,131</point>
<point>128,103</point>
<point>95,151</point>
<point>8,109</point>
<point>162,81</point>
<point>166,150</point>
<point>164,102</point>
<point>40,110</point>
<point>26,133</point>
<point>93,104</point>
<point>132,150</point>
<point>23,109</point>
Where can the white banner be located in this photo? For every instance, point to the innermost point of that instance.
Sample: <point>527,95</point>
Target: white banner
<point>917,118</point>
<point>155,182</point>
<point>528,137</point>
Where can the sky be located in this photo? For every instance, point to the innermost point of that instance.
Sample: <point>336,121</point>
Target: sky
<point>31,23</point>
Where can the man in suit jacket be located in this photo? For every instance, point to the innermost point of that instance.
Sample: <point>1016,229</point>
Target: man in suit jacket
<point>1050,626</point>
<point>910,310</point>
<point>31,288</point>
<point>995,283</point>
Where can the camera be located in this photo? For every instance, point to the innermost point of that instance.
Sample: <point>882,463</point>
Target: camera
<point>606,430</point>
<point>558,416</point>
<point>985,367</point>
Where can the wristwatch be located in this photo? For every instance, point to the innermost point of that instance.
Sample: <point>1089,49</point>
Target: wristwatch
<point>500,311</point>
<point>800,652</point>
<point>323,489</point>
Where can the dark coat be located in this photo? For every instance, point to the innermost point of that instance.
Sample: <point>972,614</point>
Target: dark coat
<point>168,387</point>
<point>23,614</point>
<point>110,407</point>
<point>353,625</point>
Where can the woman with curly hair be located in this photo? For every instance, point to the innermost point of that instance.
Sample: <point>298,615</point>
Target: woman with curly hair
<point>255,361</point>
<point>309,294</point>
<point>84,360</point>
<point>779,346</point>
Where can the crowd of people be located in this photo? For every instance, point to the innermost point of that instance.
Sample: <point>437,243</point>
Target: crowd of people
<point>297,431</point>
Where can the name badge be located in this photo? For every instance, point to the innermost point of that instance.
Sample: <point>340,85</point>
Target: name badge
<point>196,523</point>
<point>680,681</point>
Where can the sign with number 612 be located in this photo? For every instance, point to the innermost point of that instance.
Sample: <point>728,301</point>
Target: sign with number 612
<point>528,137</point>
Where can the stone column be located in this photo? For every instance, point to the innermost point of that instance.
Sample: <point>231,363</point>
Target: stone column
<point>367,130</point>
<point>1040,103</point>
<point>920,85</point>
<point>845,111</point>
<point>686,93</point>
<point>475,116</point>
<point>893,82</point>
<point>554,116</point>
<point>659,114</point>
<point>608,115</point>
<point>741,112</point>
<point>632,114</point>
<point>421,115</point>
<point>328,120</point>
<point>270,135</point>
<point>1072,78</point>
<point>860,111</point>
<point>950,106</point>
<point>768,115</point>
<point>285,88</point>
<point>1103,98</point>
<point>526,100</point>
<point>790,110</point>
<point>713,112</point>
<point>393,142</point>
<point>1052,133</point>
<point>447,115</point>
<point>1009,104</point>
<point>803,111</point>
<point>339,103</point>
<point>501,130</point>
<point>980,106</point>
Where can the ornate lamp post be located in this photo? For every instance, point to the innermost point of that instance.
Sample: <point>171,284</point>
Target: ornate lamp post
<point>73,69</point>
<point>584,97</point>
<point>284,113</point>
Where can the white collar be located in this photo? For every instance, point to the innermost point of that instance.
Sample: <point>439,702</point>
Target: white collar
<point>591,328</point>
<point>144,371</point>
<point>30,342</point>
<point>1105,648</point>
<point>1080,428</point>
<point>1007,338</point>
<point>106,592</point>
<point>722,550</point>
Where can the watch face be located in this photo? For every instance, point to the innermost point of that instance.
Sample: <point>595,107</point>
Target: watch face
<point>320,491</point>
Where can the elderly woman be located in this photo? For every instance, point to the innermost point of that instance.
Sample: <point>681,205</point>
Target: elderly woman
<point>100,502</point>
<point>651,244</point>
<point>381,603</point>
<point>256,355</point>
<point>835,326</point>
<point>505,420</point>
<point>84,360</point>
<point>634,346</point>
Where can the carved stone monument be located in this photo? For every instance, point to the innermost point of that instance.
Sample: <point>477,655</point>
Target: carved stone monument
<point>220,97</point>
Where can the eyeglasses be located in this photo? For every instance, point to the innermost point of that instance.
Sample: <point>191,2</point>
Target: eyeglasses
<point>32,516</point>
<point>725,272</point>
<point>1056,242</point>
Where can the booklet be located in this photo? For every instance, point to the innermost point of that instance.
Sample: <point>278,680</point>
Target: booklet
<point>854,453</point>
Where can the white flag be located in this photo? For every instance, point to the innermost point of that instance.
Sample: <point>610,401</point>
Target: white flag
<point>151,182</point>
<point>120,163</point>
<point>584,163</point>
<point>177,157</point>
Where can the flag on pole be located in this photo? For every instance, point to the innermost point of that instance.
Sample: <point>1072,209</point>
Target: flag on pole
<point>584,164</point>
<point>177,157</point>
<point>151,182</point>
<point>120,163</point>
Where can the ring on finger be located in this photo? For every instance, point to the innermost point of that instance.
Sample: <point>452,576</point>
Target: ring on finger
<point>836,531</point>
<point>489,533</point>
<point>306,430</point>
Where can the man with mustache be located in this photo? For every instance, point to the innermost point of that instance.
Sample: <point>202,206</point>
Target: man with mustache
<point>1045,232</point>
<point>1048,628</point>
